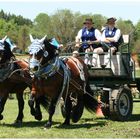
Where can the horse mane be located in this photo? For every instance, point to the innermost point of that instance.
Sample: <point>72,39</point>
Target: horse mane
<point>7,53</point>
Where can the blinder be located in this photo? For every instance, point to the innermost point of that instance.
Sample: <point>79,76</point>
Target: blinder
<point>1,46</point>
<point>45,54</point>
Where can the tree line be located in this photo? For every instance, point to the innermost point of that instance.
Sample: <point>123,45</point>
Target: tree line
<point>63,25</point>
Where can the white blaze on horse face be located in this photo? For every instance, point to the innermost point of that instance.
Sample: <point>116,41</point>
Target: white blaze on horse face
<point>33,62</point>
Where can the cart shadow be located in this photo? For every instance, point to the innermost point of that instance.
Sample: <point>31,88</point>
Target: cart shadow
<point>134,117</point>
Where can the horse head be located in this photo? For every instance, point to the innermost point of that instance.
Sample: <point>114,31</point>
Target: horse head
<point>5,52</point>
<point>41,52</point>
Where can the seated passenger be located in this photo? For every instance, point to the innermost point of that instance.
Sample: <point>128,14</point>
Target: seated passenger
<point>111,38</point>
<point>91,36</point>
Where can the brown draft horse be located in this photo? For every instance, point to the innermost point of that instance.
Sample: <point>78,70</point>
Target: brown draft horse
<point>55,79</point>
<point>14,78</point>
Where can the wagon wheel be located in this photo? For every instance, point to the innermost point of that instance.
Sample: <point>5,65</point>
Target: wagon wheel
<point>105,100</point>
<point>121,104</point>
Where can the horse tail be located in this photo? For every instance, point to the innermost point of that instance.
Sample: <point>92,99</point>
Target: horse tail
<point>43,100</point>
<point>90,102</point>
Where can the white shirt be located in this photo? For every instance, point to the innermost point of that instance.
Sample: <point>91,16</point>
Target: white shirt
<point>97,34</point>
<point>116,36</point>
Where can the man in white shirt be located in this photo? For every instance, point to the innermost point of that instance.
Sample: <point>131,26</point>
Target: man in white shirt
<point>91,37</point>
<point>111,36</point>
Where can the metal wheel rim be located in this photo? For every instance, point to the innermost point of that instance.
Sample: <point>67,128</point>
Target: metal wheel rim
<point>124,104</point>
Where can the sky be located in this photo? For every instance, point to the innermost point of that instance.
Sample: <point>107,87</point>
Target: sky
<point>125,9</point>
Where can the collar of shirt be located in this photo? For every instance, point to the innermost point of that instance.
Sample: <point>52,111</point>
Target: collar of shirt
<point>110,29</point>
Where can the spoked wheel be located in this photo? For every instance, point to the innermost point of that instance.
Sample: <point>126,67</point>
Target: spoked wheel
<point>121,104</point>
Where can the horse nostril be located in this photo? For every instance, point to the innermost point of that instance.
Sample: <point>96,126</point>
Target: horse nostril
<point>36,68</point>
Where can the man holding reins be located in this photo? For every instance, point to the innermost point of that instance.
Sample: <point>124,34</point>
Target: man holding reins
<point>111,38</point>
<point>90,37</point>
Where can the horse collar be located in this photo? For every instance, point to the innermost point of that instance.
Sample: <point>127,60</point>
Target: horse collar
<point>49,70</point>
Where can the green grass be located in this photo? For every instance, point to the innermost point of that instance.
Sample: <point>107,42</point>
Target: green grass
<point>137,73</point>
<point>88,127</point>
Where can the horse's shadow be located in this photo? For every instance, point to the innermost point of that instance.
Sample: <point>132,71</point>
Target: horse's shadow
<point>86,123</point>
<point>28,124</point>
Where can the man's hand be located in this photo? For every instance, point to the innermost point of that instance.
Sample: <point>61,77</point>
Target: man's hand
<point>77,45</point>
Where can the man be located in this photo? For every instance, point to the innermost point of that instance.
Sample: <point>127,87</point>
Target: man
<point>91,37</point>
<point>111,38</point>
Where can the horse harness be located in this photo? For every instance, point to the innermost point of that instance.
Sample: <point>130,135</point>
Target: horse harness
<point>54,66</point>
<point>7,69</point>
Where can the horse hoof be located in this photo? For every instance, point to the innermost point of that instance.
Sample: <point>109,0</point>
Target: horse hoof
<point>65,124</point>
<point>17,123</point>
<point>1,117</point>
<point>38,117</point>
<point>47,125</point>
<point>33,112</point>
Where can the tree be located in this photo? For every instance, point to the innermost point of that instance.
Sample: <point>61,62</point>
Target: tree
<point>23,37</point>
<point>41,25</point>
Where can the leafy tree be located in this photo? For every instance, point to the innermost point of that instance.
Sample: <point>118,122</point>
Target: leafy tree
<point>41,25</point>
<point>23,37</point>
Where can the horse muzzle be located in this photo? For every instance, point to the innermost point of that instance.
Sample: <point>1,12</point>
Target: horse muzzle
<point>34,65</point>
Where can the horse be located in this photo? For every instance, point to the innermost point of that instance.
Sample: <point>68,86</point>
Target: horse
<point>14,78</point>
<point>55,79</point>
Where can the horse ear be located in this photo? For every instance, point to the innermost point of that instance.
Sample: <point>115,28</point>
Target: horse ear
<point>4,39</point>
<point>31,38</point>
<point>41,40</point>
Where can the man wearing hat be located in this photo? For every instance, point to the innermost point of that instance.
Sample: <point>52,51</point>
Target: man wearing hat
<point>111,37</point>
<point>90,36</point>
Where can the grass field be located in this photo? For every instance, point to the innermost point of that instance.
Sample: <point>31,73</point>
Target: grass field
<point>88,127</point>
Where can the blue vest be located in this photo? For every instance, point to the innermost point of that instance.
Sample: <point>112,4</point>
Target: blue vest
<point>111,35</point>
<point>88,37</point>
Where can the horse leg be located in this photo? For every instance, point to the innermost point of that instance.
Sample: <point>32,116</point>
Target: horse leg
<point>31,105</point>
<point>2,104</point>
<point>38,114</point>
<point>20,116</point>
<point>51,112</point>
<point>68,108</point>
